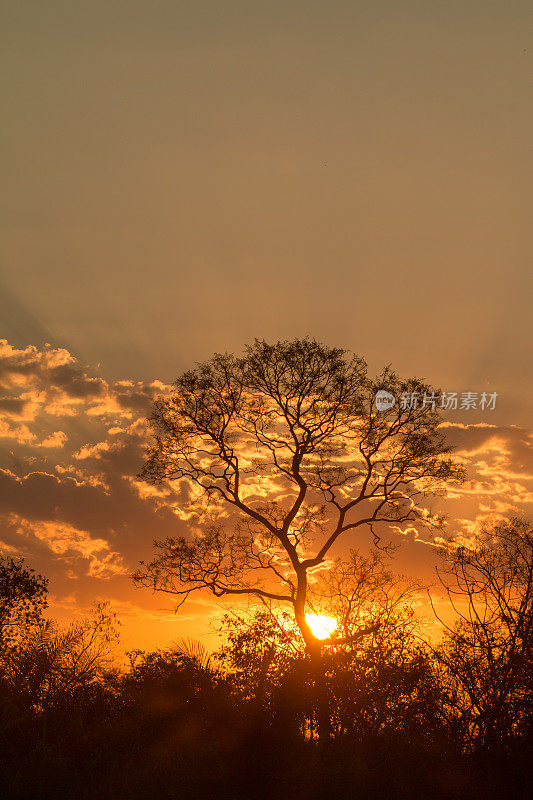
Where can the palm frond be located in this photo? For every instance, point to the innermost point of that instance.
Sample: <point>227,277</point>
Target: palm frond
<point>194,651</point>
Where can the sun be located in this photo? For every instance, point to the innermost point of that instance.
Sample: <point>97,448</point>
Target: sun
<point>321,626</point>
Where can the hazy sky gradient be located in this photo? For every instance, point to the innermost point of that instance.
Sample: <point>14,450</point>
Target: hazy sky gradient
<point>182,177</point>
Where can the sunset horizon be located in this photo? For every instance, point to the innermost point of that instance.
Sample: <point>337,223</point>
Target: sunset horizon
<point>77,512</point>
<point>266,416</point>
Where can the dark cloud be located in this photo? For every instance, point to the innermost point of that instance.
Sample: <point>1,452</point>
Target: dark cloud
<point>13,406</point>
<point>75,383</point>
<point>136,400</point>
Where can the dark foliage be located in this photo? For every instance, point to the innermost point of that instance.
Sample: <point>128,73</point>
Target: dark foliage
<point>22,598</point>
<point>181,723</point>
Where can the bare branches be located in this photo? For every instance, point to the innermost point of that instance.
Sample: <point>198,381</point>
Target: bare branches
<point>50,663</point>
<point>287,438</point>
<point>489,651</point>
<point>216,561</point>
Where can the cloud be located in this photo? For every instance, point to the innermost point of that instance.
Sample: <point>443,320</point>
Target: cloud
<point>12,406</point>
<point>72,544</point>
<point>499,465</point>
<point>23,367</point>
<point>52,381</point>
<point>465,426</point>
<point>92,451</point>
<point>20,433</point>
<point>56,439</point>
<point>72,504</point>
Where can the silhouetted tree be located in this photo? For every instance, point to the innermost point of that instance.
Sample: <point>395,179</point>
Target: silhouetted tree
<point>285,448</point>
<point>381,682</point>
<point>181,723</point>
<point>50,665</point>
<point>23,597</point>
<point>170,677</point>
<point>487,655</point>
<point>263,655</point>
<point>385,680</point>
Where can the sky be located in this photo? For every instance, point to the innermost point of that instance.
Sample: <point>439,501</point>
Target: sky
<point>183,177</point>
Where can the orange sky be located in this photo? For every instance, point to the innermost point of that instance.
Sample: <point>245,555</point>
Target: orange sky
<point>183,176</point>
<point>72,506</point>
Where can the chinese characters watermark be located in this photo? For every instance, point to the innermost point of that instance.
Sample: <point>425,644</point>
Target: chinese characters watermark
<point>447,401</point>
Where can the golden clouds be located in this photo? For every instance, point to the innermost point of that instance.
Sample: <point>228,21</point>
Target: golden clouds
<point>19,433</point>
<point>68,493</point>
<point>20,367</point>
<point>56,439</point>
<point>92,451</point>
<point>71,501</point>
<point>499,464</point>
<point>72,544</point>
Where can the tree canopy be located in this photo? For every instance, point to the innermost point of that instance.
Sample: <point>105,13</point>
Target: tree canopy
<point>279,454</point>
<point>23,597</point>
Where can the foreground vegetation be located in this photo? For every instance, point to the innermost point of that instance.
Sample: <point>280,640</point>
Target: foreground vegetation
<point>406,720</point>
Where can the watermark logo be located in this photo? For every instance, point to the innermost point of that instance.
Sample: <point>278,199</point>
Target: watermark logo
<point>384,400</point>
<point>447,401</point>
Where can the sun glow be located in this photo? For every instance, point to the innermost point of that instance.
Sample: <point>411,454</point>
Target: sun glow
<point>321,626</point>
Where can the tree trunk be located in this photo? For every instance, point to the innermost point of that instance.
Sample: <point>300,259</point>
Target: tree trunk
<point>321,697</point>
<point>314,650</point>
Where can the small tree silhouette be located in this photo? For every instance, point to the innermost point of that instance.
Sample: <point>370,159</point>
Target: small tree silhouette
<point>487,655</point>
<point>23,597</point>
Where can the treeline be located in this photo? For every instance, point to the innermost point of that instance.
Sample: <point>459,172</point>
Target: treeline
<point>407,719</point>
